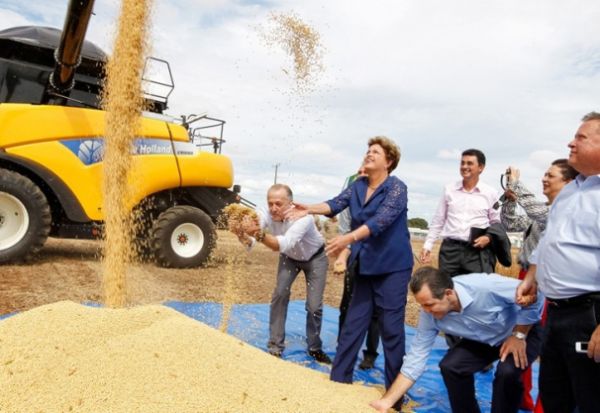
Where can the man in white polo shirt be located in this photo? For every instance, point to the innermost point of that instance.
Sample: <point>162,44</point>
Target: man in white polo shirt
<point>301,248</point>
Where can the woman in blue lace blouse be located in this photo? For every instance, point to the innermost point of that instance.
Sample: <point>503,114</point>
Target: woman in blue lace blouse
<point>381,257</point>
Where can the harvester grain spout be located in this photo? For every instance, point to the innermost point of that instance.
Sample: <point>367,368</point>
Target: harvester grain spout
<point>68,53</point>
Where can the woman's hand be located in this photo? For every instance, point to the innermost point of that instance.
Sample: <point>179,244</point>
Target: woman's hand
<point>336,245</point>
<point>296,211</point>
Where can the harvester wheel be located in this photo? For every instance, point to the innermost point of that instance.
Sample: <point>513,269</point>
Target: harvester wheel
<point>183,237</point>
<point>24,217</point>
<point>142,238</point>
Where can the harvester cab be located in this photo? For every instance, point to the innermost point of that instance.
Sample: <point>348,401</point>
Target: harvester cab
<point>51,142</point>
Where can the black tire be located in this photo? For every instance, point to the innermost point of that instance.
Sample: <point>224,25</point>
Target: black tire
<point>25,217</point>
<point>183,237</point>
<point>142,237</point>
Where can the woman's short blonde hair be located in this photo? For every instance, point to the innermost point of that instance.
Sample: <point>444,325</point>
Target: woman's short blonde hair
<point>392,152</point>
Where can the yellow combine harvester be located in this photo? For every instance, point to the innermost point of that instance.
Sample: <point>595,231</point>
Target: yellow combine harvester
<point>51,144</point>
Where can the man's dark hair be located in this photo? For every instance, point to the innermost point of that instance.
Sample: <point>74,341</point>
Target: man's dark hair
<point>437,281</point>
<point>567,171</point>
<point>591,116</point>
<point>477,153</point>
<point>287,189</point>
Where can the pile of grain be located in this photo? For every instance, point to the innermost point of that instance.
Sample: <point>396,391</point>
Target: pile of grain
<point>122,101</point>
<point>299,41</point>
<point>236,213</point>
<point>67,357</point>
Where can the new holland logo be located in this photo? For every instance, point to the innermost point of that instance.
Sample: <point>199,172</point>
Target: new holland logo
<point>91,150</point>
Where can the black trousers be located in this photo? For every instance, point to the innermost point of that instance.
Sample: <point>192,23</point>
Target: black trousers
<point>372,340</point>
<point>468,357</point>
<point>569,379</point>
<point>458,257</point>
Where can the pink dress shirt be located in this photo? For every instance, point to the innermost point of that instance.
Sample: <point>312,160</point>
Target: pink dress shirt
<point>459,210</point>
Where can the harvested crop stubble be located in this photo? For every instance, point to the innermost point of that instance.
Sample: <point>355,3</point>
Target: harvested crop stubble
<point>68,357</point>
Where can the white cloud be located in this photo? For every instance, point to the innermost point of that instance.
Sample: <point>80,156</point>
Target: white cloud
<point>15,18</point>
<point>511,78</point>
<point>449,154</point>
<point>543,158</point>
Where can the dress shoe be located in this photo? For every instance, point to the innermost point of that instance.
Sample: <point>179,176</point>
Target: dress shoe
<point>320,356</point>
<point>367,363</point>
<point>275,353</point>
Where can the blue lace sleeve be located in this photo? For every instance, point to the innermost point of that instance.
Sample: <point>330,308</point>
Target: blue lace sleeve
<point>393,205</point>
<point>340,202</point>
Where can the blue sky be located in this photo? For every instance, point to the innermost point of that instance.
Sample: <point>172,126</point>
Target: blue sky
<point>511,78</point>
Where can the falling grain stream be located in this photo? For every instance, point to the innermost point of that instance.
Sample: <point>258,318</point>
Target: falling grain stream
<point>123,104</point>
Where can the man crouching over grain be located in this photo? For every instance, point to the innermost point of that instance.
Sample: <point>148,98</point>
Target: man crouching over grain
<point>301,248</point>
<point>481,309</point>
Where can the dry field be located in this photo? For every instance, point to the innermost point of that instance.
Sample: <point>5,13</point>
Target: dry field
<point>71,270</point>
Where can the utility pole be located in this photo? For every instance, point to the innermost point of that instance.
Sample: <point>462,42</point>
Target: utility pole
<point>276,167</point>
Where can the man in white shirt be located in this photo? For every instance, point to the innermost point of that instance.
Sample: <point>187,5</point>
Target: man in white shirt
<point>466,204</point>
<point>301,248</point>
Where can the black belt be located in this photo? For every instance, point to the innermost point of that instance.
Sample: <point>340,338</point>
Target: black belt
<point>574,301</point>
<point>319,251</point>
<point>456,241</point>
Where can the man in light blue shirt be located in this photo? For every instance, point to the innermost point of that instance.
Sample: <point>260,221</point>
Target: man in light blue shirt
<point>481,309</point>
<point>567,271</point>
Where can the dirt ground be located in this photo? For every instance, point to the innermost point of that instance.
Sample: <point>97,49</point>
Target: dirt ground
<point>71,270</point>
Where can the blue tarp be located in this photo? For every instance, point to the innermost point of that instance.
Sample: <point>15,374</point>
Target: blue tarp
<point>250,323</point>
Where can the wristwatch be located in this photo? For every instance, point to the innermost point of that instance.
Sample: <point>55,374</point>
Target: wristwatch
<point>519,335</point>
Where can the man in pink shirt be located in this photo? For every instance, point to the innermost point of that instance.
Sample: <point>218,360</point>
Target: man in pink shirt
<point>465,211</point>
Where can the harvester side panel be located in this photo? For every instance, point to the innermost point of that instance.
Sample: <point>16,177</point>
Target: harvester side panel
<point>69,142</point>
<point>45,178</point>
<point>23,123</point>
<point>205,169</point>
